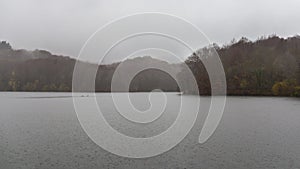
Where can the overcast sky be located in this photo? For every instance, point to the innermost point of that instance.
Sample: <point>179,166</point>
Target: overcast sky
<point>62,26</point>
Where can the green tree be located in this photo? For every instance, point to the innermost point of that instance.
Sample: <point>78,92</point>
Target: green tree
<point>285,88</point>
<point>31,86</point>
<point>259,78</point>
<point>50,87</point>
<point>297,91</point>
<point>63,87</point>
<point>13,82</point>
<point>243,84</point>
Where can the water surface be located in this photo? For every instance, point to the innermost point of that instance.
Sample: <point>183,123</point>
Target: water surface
<point>41,130</point>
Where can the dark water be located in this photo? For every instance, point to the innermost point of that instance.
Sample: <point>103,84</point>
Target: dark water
<point>41,130</point>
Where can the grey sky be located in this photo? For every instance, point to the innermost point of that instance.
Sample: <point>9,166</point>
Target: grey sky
<point>62,26</point>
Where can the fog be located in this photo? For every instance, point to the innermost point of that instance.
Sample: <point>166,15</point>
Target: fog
<point>62,27</point>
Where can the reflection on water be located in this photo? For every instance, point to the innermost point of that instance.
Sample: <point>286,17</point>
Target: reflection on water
<point>40,130</point>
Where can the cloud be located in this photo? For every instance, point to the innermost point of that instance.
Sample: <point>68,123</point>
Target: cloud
<point>62,27</point>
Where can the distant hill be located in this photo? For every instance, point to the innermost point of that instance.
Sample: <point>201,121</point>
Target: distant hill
<point>39,70</point>
<point>268,66</point>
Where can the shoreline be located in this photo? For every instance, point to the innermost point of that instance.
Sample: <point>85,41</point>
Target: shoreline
<point>178,93</point>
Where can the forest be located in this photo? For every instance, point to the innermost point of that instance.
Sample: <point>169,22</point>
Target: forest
<point>268,66</point>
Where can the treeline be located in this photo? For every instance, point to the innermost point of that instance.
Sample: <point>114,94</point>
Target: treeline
<point>39,70</point>
<point>267,66</point>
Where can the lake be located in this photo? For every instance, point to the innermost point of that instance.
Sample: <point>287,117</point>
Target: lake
<point>41,130</point>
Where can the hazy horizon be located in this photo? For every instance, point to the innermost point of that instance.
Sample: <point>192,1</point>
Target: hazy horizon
<point>63,27</point>
<point>152,53</point>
